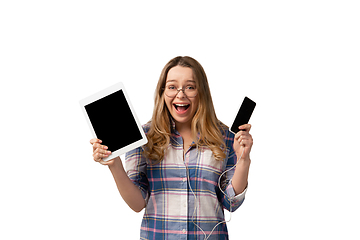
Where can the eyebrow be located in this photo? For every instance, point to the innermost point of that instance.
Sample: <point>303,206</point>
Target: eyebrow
<point>192,81</point>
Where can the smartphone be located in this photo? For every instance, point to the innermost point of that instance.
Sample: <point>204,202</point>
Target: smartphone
<point>244,114</point>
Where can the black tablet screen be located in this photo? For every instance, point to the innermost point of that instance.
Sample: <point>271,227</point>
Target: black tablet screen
<point>113,121</point>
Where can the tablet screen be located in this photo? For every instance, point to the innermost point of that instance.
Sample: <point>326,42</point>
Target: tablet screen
<point>113,121</point>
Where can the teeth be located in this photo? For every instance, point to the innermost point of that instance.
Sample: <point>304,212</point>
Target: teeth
<point>181,105</point>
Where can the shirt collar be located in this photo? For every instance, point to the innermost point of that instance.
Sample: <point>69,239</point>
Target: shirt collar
<point>173,127</point>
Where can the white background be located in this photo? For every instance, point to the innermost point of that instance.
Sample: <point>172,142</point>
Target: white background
<point>299,60</point>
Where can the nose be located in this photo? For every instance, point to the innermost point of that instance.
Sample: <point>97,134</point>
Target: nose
<point>181,94</point>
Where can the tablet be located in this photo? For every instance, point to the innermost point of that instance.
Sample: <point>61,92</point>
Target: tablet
<point>112,119</point>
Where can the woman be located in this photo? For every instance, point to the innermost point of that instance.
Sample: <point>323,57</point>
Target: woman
<point>175,175</point>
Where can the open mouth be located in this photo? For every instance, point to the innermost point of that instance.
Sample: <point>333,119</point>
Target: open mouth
<point>181,107</point>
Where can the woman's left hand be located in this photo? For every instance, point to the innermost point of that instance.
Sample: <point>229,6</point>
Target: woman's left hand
<point>243,140</point>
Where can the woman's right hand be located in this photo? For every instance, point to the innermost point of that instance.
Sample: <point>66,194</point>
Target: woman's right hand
<point>100,152</point>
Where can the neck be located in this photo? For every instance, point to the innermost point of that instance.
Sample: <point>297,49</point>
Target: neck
<point>183,127</point>
<point>185,132</point>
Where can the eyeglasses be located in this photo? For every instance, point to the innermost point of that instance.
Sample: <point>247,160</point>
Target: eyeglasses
<point>171,91</point>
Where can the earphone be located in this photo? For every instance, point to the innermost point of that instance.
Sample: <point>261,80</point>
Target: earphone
<point>195,202</point>
<point>206,237</point>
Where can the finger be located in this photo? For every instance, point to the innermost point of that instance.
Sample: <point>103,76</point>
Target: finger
<point>101,153</point>
<point>241,143</point>
<point>106,162</point>
<point>99,146</point>
<point>242,134</point>
<point>95,140</point>
<point>97,157</point>
<point>248,142</point>
<point>239,137</point>
<point>245,127</point>
<point>239,134</point>
<point>96,146</point>
<point>110,161</point>
<point>241,140</point>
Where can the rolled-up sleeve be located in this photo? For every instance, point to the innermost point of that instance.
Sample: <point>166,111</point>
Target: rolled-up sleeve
<point>136,167</point>
<point>236,200</point>
<point>229,200</point>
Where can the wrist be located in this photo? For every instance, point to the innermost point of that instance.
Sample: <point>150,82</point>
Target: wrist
<point>115,163</point>
<point>244,161</point>
<point>242,156</point>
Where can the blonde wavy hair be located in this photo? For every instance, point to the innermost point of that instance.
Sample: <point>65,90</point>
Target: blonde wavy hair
<point>204,122</point>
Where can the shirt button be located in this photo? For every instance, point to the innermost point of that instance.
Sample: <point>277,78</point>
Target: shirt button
<point>184,231</point>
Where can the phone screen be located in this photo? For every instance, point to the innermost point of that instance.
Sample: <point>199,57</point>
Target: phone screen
<point>244,114</point>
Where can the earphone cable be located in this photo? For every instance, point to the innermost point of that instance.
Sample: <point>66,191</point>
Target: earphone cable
<point>195,198</point>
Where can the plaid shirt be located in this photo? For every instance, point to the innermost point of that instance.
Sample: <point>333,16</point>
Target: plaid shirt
<point>169,212</point>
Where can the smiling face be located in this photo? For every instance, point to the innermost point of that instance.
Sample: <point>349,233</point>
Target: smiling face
<point>181,107</point>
